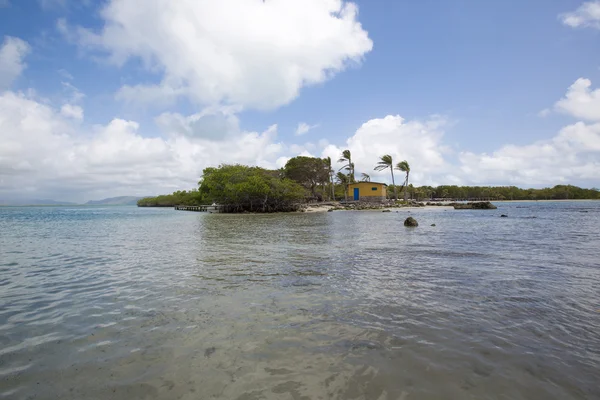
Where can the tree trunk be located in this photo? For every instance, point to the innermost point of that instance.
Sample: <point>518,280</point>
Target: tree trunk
<point>394,183</point>
<point>406,188</point>
<point>332,188</point>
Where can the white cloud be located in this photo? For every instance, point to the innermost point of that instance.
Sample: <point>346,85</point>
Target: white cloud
<point>420,143</point>
<point>544,113</point>
<point>580,101</point>
<point>12,53</point>
<point>72,93</point>
<point>572,155</point>
<point>256,54</point>
<point>72,111</point>
<point>211,123</point>
<point>587,15</point>
<point>303,128</point>
<point>50,153</point>
<point>45,153</point>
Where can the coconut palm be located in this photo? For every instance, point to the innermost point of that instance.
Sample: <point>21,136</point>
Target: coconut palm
<point>365,177</point>
<point>404,167</point>
<point>346,158</point>
<point>330,173</point>
<point>343,180</point>
<point>385,163</point>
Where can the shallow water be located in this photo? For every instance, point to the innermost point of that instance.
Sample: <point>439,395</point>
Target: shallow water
<point>124,303</point>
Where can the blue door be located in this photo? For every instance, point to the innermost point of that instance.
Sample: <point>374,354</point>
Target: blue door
<point>356,196</point>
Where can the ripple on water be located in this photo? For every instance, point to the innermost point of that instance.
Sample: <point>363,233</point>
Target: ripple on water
<point>132,303</point>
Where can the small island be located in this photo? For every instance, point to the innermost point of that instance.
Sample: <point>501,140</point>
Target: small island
<point>306,183</point>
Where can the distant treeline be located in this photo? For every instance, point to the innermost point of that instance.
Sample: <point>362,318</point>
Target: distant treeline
<point>180,197</point>
<point>559,192</point>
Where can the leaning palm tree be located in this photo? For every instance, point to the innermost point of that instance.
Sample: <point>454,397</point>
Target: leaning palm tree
<point>346,158</point>
<point>343,180</point>
<point>330,172</point>
<point>365,177</point>
<point>385,163</point>
<point>404,167</point>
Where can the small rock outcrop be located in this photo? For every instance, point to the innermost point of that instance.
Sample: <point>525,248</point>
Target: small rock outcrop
<point>432,224</point>
<point>387,211</point>
<point>410,221</point>
<point>479,205</point>
<point>504,216</point>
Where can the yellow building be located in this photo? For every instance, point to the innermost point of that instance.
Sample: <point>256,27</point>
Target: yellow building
<point>367,191</point>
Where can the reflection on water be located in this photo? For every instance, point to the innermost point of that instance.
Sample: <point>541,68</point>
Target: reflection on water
<point>122,303</point>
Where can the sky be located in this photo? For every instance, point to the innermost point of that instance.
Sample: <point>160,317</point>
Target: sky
<point>119,97</point>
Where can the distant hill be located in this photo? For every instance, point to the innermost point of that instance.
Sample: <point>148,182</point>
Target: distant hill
<point>115,201</point>
<point>34,202</point>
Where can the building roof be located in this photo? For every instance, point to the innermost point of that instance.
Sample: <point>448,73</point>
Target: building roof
<point>373,183</point>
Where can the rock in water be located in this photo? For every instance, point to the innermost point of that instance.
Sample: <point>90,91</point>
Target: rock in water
<point>410,221</point>
<point>504,216</point>
<point>387,211</point>
<point>432,224</point>
<point>479,205</point>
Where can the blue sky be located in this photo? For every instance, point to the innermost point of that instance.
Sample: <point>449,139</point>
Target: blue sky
<point>469,92</point>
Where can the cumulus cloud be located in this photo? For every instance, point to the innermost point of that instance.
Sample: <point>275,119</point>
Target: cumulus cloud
<point>580,101</point>
<point>12,53</point>
<point>256,54</point>
<point>573,154</point>
<point>419,142</point>
<point>45,154</point>
<point>303,128</point>
<point>211,123</point>
<point>48,152</point>
<point>587,15</point>
<point>72,111</point>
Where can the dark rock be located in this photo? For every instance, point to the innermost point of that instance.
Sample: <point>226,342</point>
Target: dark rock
<point>209,352</point>
<point>479,205</point>
<point>432,224</point>
<point>410,221</point>
<point>330,210</point>
<point>387,211</point>
<point>504,216</point>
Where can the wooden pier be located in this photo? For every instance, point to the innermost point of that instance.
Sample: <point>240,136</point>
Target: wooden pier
<point>206,208</point>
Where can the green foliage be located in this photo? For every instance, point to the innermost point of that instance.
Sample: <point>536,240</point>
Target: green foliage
<point>453,192</point>
<point>180,197</point>
<point>241,188</point>
<point>308,172</point>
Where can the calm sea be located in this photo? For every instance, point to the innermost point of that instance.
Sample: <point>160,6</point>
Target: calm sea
<point>128,303</point>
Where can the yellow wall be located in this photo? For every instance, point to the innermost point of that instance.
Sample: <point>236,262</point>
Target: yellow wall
<point>366,189</point>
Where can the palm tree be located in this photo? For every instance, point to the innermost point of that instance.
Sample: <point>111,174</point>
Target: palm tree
<point>385,163</point>
<point>365,177</point>
<point>404,167</point>
<point>343,180</point>
<point>346,158</point>
<point>330,174</point>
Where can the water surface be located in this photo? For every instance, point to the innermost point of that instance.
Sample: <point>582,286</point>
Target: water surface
<point>124,303</point>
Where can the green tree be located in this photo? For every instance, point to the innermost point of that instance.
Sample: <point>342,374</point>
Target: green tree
<point>365,177</point>
<point>241,188</point>
<point>330,172</point>
<point>346,158</point>
<point>307,171</point>
<point>385,163</point>
<point>343,180</point>
<point>404,167</point>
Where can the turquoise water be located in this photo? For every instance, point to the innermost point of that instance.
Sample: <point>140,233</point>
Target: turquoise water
<point>128,303</point>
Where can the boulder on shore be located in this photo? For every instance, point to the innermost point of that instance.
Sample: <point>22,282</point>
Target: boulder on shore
<point>478,205</point>
<point>410,221</point>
